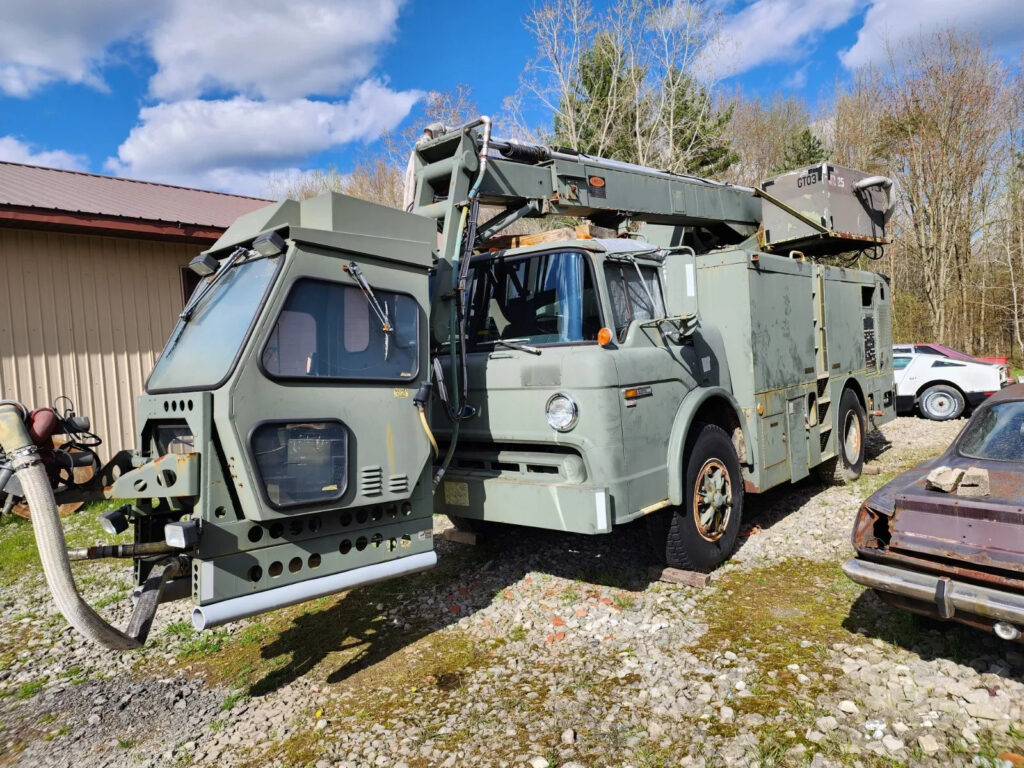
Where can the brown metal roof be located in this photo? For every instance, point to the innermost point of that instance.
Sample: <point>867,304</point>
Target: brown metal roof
<point>49,189</point>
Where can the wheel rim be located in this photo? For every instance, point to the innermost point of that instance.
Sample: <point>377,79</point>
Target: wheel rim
<point>851,437</point>
<point>939,404</point>
<point>712,500</point>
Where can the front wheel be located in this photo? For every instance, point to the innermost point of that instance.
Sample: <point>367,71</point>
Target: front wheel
<point>702,533</point>
<point>941,403</point>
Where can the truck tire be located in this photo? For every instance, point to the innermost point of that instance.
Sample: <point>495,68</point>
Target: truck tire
<point>941,402</point>
<point>702,533</point>
<point>846,466</point>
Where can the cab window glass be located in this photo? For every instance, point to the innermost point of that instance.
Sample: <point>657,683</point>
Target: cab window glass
<point>632,298</point>
<point>899,363</point>
<point>545,298</point>
<point>330,330</point>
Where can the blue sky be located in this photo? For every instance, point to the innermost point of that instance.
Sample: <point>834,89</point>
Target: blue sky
<point>224,94</point>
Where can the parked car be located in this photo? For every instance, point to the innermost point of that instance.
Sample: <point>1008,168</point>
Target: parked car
<point>943,351</point>
<point>956,553</point>
<point>941,388</point>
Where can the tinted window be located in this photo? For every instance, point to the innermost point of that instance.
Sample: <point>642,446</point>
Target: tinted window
<point>546,298</point>
<point>301,462</point>
<point>631,298</point>
<point>995,433</point>
<point>899,363</point>
<point>330,330</point>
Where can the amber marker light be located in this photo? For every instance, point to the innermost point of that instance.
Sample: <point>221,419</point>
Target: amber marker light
<point>604,337</point>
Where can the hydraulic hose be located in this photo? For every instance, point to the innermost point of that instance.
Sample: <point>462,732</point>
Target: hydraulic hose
<point>426,428</point>
<point>49,534</point>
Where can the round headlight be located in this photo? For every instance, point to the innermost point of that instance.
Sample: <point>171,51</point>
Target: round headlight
<point>562,412</point>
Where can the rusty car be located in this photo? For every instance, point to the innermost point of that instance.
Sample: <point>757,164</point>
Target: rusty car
<point>946,538</point>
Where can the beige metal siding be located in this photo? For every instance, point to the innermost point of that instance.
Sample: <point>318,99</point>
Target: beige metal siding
<point>86,316</point>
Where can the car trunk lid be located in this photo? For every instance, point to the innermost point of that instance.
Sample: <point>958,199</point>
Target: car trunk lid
<point>986,532</point>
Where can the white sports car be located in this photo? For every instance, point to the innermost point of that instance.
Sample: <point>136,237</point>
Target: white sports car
<point>941,387</point>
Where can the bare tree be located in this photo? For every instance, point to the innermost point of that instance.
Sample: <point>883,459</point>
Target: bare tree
<point>759,132</point>
<point>934,117</point>
<point>624,83</point>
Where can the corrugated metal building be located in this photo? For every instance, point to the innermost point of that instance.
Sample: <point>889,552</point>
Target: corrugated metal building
<point>92,277</point>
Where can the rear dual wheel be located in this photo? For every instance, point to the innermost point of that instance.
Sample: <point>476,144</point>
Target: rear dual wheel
<point>702,533</point>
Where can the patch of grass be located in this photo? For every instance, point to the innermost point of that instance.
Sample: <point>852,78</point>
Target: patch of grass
<point>62,731</point>
<point>231,699</point>
<point>652,756</point>
<point>76,675</point>
<point>254,634</point>
<point>179,629</point>
<point>110,599</point>
<point>203,644</point>
<point>28,690</point>
<point>125,743</point>
<point>624,600</point>
<point>302,748</point>
<point>517,633</point>
<point>17,549</point>
<point>18,554</point>
<point>778,615</point>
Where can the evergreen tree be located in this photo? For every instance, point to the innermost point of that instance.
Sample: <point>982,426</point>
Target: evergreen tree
<point>804,149</point>
<point>697,143</point>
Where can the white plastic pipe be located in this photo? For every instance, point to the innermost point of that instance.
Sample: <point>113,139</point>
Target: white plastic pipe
<point>215,614</point>
<point>49,534</point>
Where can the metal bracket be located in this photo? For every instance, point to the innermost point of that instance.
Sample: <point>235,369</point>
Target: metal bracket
<point>944,598</point>
<point>173,475</point>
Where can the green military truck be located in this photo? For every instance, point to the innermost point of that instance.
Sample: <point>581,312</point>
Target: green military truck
<point>346,370</point>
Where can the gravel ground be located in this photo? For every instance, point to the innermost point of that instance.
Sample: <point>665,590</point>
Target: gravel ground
<point>537,649</point>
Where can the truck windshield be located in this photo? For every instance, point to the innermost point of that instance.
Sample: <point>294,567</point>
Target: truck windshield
<point>544,298</point>
<point>201,350</point>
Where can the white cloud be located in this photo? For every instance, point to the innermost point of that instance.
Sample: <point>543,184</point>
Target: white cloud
<point>42,41</point>
<point>278,50</point>
<point>770,30</point>
<point>998,22</point>
<point>13,150</point>
<point>235,144</point>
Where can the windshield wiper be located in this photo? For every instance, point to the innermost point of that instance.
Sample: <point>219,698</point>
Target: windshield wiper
<point>202,292</point>
<point>381,312</point>
<point>514,344</point>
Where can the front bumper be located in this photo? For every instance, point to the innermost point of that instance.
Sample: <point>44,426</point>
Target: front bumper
<point>947,595</point>
<point>567,507</point>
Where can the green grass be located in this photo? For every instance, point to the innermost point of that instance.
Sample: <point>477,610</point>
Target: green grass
<point>28,690</point>
<point>203,644</point>
<point>231,699</point>
<point>18,554</point>
<point>179,629</point>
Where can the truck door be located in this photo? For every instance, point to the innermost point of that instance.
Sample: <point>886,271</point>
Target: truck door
<point>650,374</point>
